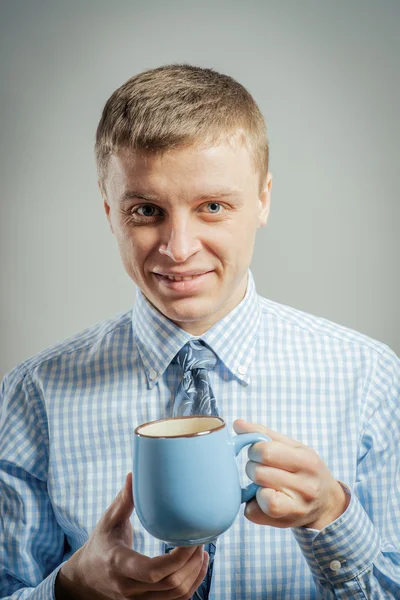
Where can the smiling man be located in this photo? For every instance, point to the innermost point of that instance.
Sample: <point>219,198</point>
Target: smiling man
<point>185,221</point>
<point>182,157</point>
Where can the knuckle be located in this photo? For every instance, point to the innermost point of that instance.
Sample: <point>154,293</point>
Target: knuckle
<point>265,452</point>
<point>309,484</point>
<point>316,488</point>
<point>313,460</point>
<point>262,497</point>
<point>183,590</point>
<point>152,576</point>
<point>173,581</point>
<point>112,560</point>
<point>312,490</point>
<point>275,508</point>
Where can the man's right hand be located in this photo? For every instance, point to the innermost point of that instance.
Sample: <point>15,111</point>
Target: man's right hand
<point>107,567</point>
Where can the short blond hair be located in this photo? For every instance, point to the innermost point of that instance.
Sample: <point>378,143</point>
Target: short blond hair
<point>178,105</point>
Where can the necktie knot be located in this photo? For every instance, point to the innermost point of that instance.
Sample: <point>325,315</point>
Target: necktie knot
<point>195,355</point>
<point>194,395</point>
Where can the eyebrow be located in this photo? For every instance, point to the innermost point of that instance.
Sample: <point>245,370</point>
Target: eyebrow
<point>129,195</point>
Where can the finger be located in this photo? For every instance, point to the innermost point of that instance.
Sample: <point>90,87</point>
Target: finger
<point>120,509</point>
<point>176,594</point>
<point>200,576</point>
<point>189,585</point>
<point>254,514</point>
<point>175,581</point>
<point>153,570</point>
<point>278,455</point>
<point>127,563</point>
<point>183,579</point>
<point>241,426</point>
<point>276,479</point>
<point>271,508</point>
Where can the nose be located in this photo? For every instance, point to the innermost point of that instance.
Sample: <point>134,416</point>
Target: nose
<point>181,241</point>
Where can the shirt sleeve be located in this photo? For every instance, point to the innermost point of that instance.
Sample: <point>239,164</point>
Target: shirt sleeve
<point>31,540</point>
<point>358,555</point>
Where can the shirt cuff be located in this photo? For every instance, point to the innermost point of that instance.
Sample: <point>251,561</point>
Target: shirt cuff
<point>344,548</point>
<point>45,590</point>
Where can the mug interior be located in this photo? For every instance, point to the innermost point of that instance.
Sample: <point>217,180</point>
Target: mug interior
<point>180,427</point>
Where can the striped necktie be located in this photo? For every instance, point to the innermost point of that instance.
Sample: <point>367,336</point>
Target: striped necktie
<point>195,397</point>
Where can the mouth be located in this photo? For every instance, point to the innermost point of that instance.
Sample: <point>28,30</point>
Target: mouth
<point>185,282</point>
<point>181,277</point>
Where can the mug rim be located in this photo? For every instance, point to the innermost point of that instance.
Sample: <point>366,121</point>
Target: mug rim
<point>186,435</point>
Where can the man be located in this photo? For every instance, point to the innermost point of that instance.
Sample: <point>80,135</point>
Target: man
<point>183,170</point>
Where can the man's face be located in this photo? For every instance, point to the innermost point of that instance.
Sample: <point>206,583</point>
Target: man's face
<point>185,223</point>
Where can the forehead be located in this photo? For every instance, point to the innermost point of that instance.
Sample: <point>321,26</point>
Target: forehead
<point>184,170</point>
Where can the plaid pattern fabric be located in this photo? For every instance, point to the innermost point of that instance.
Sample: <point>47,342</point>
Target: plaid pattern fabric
<point>66,423</point>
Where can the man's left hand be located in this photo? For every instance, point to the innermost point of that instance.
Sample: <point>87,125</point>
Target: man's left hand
<point>297,488</point>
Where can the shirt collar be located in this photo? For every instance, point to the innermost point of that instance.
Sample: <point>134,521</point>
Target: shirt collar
<point>232,339</point>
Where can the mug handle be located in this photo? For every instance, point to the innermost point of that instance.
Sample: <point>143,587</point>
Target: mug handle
<point>239,442</point>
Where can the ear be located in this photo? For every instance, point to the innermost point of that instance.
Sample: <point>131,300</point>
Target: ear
<point>265,201</point>
<point>107,207</point>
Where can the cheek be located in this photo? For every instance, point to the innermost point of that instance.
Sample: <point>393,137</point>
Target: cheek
<point>231,250</point>
<point>131,247</point>
<point>236,241</point>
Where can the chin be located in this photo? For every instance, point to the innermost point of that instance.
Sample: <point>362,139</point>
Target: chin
<point>187,311</point>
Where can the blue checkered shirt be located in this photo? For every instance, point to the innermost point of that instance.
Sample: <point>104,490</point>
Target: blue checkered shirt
<point>66,443</point>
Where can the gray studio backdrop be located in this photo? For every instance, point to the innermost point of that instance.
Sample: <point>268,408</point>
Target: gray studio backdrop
<point>326,76</point>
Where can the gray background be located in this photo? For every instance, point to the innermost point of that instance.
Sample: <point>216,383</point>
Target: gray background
<point>326,76</point>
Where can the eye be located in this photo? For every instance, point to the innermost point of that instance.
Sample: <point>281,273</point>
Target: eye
<point>214,207</point>
<point>146,210</point>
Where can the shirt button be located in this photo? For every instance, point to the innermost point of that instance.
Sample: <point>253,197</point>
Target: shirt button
<point>335,565</point>
<point>152,374</point>
<point>242,369</point>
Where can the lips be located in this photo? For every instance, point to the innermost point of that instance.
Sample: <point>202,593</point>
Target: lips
<point>181,277</point>
<point>189,282</point>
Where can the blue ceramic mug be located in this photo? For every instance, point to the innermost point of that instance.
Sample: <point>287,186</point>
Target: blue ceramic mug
<point>185,480</point>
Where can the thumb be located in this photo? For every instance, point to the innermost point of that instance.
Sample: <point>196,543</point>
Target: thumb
<point>121,508</point>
